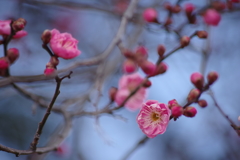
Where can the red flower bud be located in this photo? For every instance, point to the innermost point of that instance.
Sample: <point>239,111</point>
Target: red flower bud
<point>161,50</point>
<point>202,34</point>
<point>193,94</point>
<point>12,54</point>
<point>176,9</point>
<point>112,93</point>
<point>189,112</point>
<point>177,111</point>
<point>4,63</point>
<point>150,15</point>
<point>19,24</point>
<point>185,40</point>
<point>202,103</point>
<point>161,68</point>
<point>129,66</point>
<point>212,77</point>
<point>148,84</point>
<point>46,36</point>
<point>197,80</point>
<point>148,67</point>
<point>54,61</point>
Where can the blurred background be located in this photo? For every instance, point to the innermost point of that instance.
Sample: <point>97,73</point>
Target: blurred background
<point>208,136</point>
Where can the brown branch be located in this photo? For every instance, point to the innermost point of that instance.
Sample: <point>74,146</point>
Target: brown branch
<point>234,126</point>
<point>48,112</point>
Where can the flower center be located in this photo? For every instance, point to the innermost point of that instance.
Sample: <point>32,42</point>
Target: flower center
<point>155,116</point>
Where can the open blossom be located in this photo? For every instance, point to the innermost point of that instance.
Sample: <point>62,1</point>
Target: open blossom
<point>127,84</point>
<point>20,34</point>
<point>64,45</point>
<point>5,28</point>
<point>153,118</point>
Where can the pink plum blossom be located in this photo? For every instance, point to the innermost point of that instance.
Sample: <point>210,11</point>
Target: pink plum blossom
<point>153,118</point>
<point>20,34</point>
<point>212,17</point>
<point>127,84</point>
<point>5,28</point>
<point>64,45</point>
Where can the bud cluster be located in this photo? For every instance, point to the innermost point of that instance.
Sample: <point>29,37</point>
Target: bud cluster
<point>139,58</point>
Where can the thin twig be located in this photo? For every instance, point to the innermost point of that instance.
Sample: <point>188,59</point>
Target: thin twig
<point>34,143</point>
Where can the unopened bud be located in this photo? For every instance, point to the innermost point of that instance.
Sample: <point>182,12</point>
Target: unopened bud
<point>185,40</point>
<point>197,80</point>
<point>49,71</point>
<point>161,50</point>
<point>161,68</point>
<point>54,61</point>
<point>189,8</point>
<point>141,54</point>
<point>129,66</point>
<point>172,103</point>
<point>202,34</point>
<point>4,63</point>
<point>46,36</point>
<point>19,24</point>
<point>202,103</point>
<point>148,67</point>
<point>12,54</point>
<point>150,15</point>
<point>189,112</point>
<point>176,9</point>
<point>147,84</point>
<point>112,93</point>
<point>128,54</point>
<point>177,111</point>
<point>212,77</point>
<point>193,94</point>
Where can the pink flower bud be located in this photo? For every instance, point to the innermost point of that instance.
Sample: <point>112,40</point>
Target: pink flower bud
<point>147,84</point>
<point>128,54</point>
<point>46,36</point>
<point>189,112</point>
<point>193,94</point>
<point>5,28</point>
<point>150,15</point>
<point>112,93</point>
<point>129,66</point>
<point>212,17</point>
<point>4,63</point>
<point>49,71</point>
<point>177,111</point>
<point>54,61</point>
<point>12,54</point>
<point>141,54</point>
<point>20,34</point>
<point>148,67</point>
<point>189,7</point>
<point>19,24</point>
<point>202,103</point>
<point>212,77</point>
<point>197,80</point>
<point>172,103</point>
<point>185,40</point>
<point>161,68</point>
<point>161,50</point>
<point>176,9</point>
<point>202,34</point>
